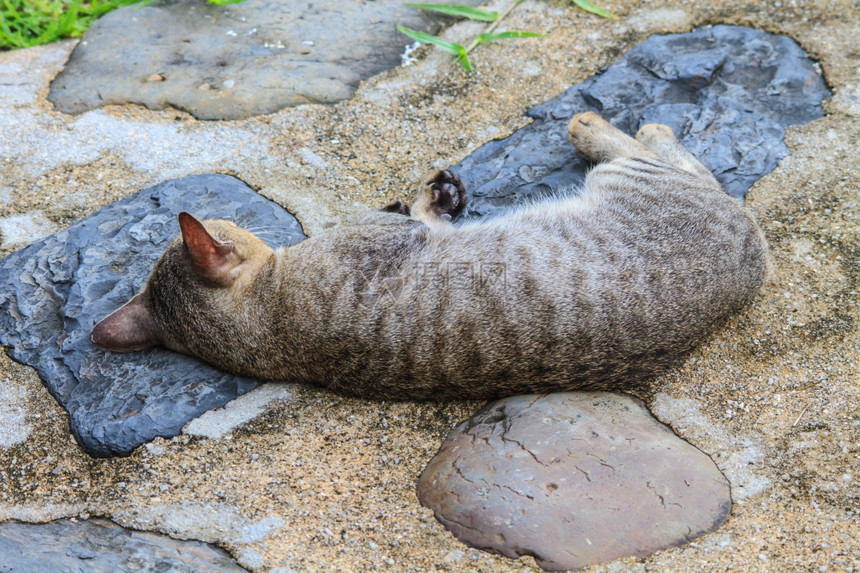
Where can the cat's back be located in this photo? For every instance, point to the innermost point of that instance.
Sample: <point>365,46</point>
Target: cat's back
<point>582,290</point>
<point>670,221</point>
<point>604,286</point>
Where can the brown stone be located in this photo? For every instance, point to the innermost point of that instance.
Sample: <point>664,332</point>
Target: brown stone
<point>572,479</point>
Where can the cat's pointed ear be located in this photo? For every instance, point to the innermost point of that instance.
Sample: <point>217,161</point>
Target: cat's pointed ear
<point>211,258</point>
<point>128,328</point>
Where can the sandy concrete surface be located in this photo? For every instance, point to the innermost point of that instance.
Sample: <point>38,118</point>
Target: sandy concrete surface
<point>308,481</point>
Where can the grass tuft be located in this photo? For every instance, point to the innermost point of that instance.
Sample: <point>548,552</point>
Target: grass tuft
<point>25,23</point>
<point>461,53</point>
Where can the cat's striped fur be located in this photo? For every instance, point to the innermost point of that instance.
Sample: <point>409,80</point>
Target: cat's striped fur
<point>598,289</point>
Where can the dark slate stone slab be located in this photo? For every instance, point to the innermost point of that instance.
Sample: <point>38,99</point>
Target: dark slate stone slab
<point>101,546</point>
<point>572,479</point>
<point>729,92</point>
<point>233,62</point>
<point>55,290</point>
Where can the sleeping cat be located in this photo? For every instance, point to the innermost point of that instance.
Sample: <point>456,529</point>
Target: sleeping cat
<point>602,289</point>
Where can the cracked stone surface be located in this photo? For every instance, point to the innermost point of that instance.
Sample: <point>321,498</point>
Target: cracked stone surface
<point>572,479</point>
<point>100,546</point>
<point>233,62</point>
<point>55,290</point>
<point>729,92</point>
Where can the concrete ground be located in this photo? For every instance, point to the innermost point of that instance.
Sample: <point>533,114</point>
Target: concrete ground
<point>293,478</point>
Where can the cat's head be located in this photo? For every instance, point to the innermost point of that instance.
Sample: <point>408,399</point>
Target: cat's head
<point>202,273</point>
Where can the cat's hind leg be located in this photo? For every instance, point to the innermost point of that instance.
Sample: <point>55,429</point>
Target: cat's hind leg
<point>440,199</point>
<point>661,140</point>
<point>598,140</point>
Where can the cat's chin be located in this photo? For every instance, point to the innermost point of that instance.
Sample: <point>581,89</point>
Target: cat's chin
<point>127,329</point>
<point>103,336</point>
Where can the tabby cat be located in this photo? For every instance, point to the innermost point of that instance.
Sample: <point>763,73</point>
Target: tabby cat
<point>600,288</point>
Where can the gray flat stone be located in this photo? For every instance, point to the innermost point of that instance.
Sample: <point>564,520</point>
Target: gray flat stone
<point>233,62</point>
<point>729,92</point>
<point>55,290</point>
<point>101,546</point>
<point>572,479</point>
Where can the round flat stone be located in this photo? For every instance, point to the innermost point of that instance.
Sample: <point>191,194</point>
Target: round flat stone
<point>572,479</point>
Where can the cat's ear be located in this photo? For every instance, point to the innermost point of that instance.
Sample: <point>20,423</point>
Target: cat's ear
<point>211,258</point>
<point>128,328</point>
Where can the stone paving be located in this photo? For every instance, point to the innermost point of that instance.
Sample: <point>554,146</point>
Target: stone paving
<point>99,546</point>
<point>298,479</point>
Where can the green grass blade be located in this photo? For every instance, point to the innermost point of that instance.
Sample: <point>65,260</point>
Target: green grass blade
<point>66,24</point>
<point>25,23</point>
<point>450,47</point>
<point>425,38</point>
<point>9,35</point>
<point>463,58</point>
<point>589,7</point>
<point>486,38</point>
<point>457,10</point>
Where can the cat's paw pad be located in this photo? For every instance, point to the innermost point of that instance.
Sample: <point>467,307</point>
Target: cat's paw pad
<point>589,133</point>
<point>447,195</point>
<point>598,140</point>
<point>397,207</point>
<point>654,134</point>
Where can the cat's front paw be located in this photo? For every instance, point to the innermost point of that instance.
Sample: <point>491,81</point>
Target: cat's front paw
<point>447,195</point>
